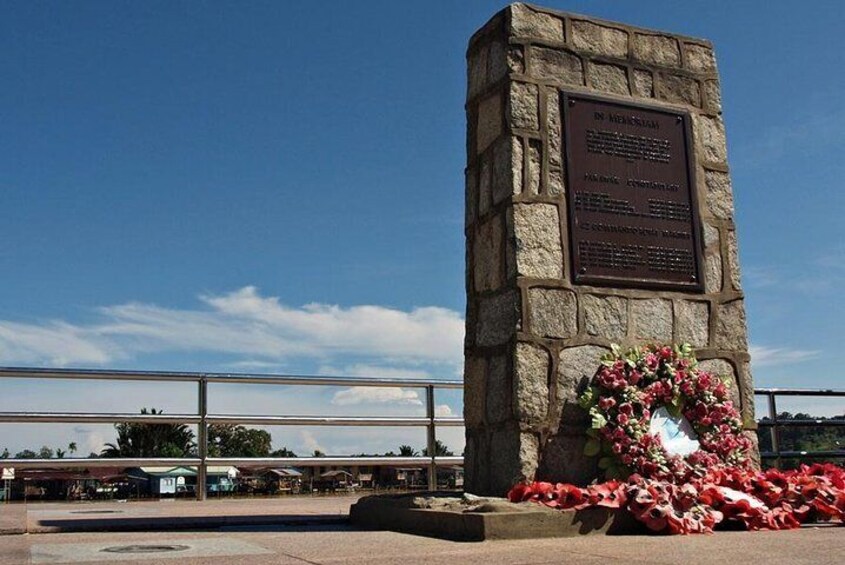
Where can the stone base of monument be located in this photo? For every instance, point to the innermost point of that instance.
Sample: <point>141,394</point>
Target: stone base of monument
<point>448,515</point>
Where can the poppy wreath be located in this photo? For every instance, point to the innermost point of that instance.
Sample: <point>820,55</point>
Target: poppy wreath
<point>627,390</point>
<point>675,494</point>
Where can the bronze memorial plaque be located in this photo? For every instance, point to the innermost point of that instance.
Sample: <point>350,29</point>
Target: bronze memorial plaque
<point>633,218</point>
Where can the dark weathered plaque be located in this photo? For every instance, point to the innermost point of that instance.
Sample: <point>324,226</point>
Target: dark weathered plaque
<point>633,217</point>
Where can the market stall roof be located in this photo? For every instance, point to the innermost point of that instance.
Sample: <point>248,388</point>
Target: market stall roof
<point>284,472</point>
<point>188,471</point>
<point>336,473</point>
<point>94,473</point>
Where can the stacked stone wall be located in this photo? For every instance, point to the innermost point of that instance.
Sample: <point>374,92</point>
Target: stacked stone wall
<point>533,337</point>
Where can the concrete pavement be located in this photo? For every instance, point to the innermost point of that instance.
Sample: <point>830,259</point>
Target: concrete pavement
<point>317,538</point>
<point>343,545</point>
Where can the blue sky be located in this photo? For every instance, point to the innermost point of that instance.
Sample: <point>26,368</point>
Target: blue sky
<point>278,187</point>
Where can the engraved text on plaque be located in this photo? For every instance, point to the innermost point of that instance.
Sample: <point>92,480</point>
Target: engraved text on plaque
<point>633,219</point>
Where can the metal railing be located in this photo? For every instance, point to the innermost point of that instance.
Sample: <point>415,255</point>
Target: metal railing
<point>202,419</point>
<point>774,422</point>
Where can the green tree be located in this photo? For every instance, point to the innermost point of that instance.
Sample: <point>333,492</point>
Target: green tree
<point>283,452</point>
<point>440,450</point>
<point>5,454</point>
<point>26,454</point>
<point>407,451</point>
<point>318,453</point>
<point>151,440</point>
<point>229,440</point>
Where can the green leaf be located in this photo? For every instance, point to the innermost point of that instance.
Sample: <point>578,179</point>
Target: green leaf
<point>599,421</point>
<point>674,409</point>
<point>592,447</point>
<point>605,463</point>
<point>588,398</point>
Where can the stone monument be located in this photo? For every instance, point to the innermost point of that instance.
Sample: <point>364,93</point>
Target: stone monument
<point>599,210</point>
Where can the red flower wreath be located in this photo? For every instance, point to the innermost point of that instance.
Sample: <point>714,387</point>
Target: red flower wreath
<point>627,391</point>
<point>691,493</point>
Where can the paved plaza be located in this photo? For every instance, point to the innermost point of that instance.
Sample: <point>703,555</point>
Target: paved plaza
<point>314,530</point>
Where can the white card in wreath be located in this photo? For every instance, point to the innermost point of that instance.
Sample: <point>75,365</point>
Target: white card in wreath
<point>675,433</point>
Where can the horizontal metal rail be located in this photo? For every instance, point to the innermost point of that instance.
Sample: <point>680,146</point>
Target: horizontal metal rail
<point>203,419</point>
<point>128,462</point>
<point>233,419</point>
<point>229,378</point>
<point>799,392</point>
<point>775,423</point>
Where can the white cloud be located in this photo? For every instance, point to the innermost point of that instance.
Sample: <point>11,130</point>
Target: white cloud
<point>54,343</point>
<point>762,356</point>
<point>310,443</point>
<point>374,371</point>
<point>241,323</point>
<point>443,411</point>
<point>376,395</point>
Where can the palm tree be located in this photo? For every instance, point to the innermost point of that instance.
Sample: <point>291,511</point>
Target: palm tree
<point>151,440</point>
<point>440,450</point>
<point>407,451</point>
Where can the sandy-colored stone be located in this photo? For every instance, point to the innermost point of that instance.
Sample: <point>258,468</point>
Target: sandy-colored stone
<point>515,460</point>
<point>523,106</point>
<point>487,255</point>
<point>700,58</point>
<point>711,236</point>
<point>643,83</point>
<point>516,59</point>
<point>498,390</point>
<point>526,22</point>
<point>498,318</point>
<point>719,194</point>
<point>731,332</point>
<point>507,168</point>
<point>679,89</point>
<point>564,460</point>
<point>555,177</point>
<point>489,121</point>
<point>733,260</point>
<point>553,312</point>
<point>477,72</point>
<point>651,319</point>
<point>576,366</point>
<point>599,39</point>
<point>657,49</point>
<point>710,138</point>
<point>713,272</point>
<point>609,78</point>
<point>605,316</point>
<point>485,185</point>
<point>531,383</point>
<point>537,243</point>
<point>712,96</point>
<point>498,61</point>
<point>535,167</point>
<point>555,65</point>
<point>471,205</point>
<point>475,370</point>
<point>746,392</point>
<point>692,320</point>
<point>554,126</point>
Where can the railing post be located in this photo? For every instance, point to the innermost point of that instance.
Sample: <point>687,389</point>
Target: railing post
<point>774,432</point>
<point>202,438</point>
<point>431,438</point>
